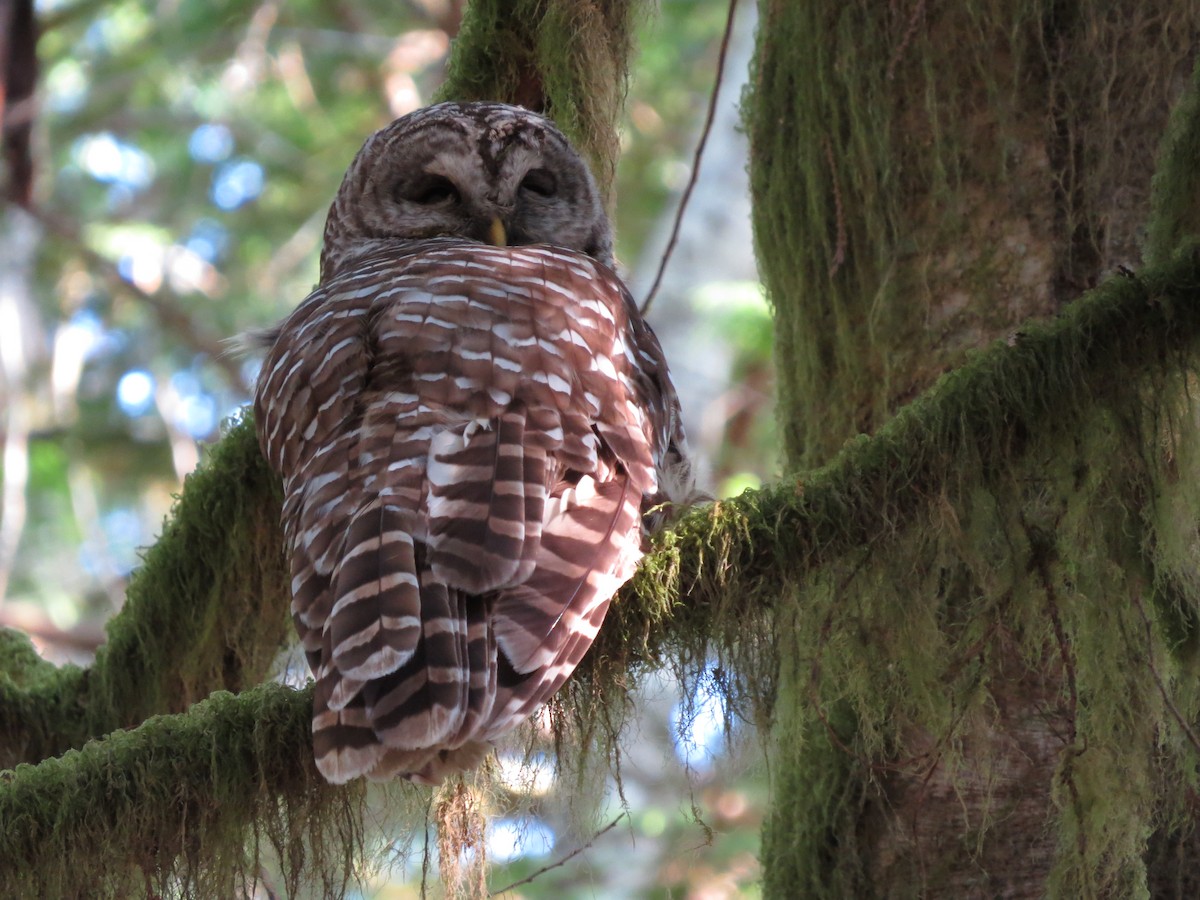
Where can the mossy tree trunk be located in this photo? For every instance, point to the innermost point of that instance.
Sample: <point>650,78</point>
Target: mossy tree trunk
<point>996,696</point>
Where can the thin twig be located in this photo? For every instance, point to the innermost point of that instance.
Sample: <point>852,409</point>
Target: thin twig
<point>691,185</point>
<point>1067,774</point>
<point>913,21</point>
<point>562,862</point>
<point>1162,688</point>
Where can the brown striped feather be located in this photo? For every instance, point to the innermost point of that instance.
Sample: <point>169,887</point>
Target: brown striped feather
<point>467,436</point>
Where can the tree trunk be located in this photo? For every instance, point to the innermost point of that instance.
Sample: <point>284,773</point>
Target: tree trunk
<point>976,703</point>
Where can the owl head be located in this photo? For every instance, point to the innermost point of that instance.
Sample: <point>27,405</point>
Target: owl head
<point>479,171</point>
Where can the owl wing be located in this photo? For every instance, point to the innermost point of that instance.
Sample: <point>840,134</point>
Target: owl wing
<point>465,458</point>
<point>536,498</point>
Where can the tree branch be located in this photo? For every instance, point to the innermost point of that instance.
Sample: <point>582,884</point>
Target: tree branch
<point>722,563</point>
<point>171,315</point>
<point>707,580</point>
<point>206,611</point>
<point>139,808</point>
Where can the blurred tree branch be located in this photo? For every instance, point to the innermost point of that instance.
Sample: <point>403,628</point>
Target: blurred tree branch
<point>206,611</point>
<point>166,307</point>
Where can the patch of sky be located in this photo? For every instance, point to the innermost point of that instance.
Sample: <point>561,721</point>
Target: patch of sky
<point>135,392</point>
<point>236,183</point>
<point>509,839</point>
<point>699,728</point>
<point>125,533</point>
<point>86,335</point>
<point>113,161</point>
<point>65,87</point>
<point>196,411</point>
<point>209,240</point>
<point>210,143</point>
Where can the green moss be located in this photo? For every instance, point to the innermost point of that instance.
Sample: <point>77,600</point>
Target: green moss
<point>1176,184</point>
<point>1025,529</point>
<point>918,543</point>
<point>20,664</point>
<point>193,804</point>
<point>1024,512</point>
<point>912,202</point>
<point>1008,564</point>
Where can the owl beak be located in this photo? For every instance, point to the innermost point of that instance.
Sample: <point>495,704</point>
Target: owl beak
<point>496,235</point>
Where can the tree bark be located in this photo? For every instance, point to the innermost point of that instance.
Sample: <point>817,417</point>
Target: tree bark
<point>928,178</point>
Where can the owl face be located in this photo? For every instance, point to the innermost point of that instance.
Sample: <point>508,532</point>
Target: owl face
<point>478,171</point>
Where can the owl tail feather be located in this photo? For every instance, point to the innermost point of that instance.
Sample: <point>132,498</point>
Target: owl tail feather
<point>376,620</point>
<point>438,701</point>
<point>421,719</point>
<point>546,625</point>
<point>344,743</point>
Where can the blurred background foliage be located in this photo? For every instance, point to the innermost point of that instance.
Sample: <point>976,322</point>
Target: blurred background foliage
<point>185,156</point>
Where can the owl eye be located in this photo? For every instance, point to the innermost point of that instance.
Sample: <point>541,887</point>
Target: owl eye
<point>434,190</point>
<point>541,182</point>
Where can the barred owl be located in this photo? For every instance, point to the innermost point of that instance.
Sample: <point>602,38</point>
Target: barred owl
<point>472,422</point>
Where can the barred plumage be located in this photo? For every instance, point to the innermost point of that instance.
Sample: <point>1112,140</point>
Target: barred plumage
<point>469,436</point>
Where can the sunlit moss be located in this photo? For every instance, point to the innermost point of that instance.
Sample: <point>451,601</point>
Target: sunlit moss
<point>1037,504</point>
<point>770,575</point>
<point>206,611</point>
<point>192,804</point>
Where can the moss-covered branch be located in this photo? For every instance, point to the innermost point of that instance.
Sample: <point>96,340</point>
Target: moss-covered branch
<point>721,563</point>
<point>189,799</point>
<point>206,611</point>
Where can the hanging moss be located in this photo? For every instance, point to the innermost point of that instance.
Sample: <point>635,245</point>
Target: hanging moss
<point>1015,649</point>
<point>1176,184</point>
<point>1110,369</point>
<point>200,804</point>
<point>1023,530</point>
<point>961,557</point>
<point>731,557</point>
